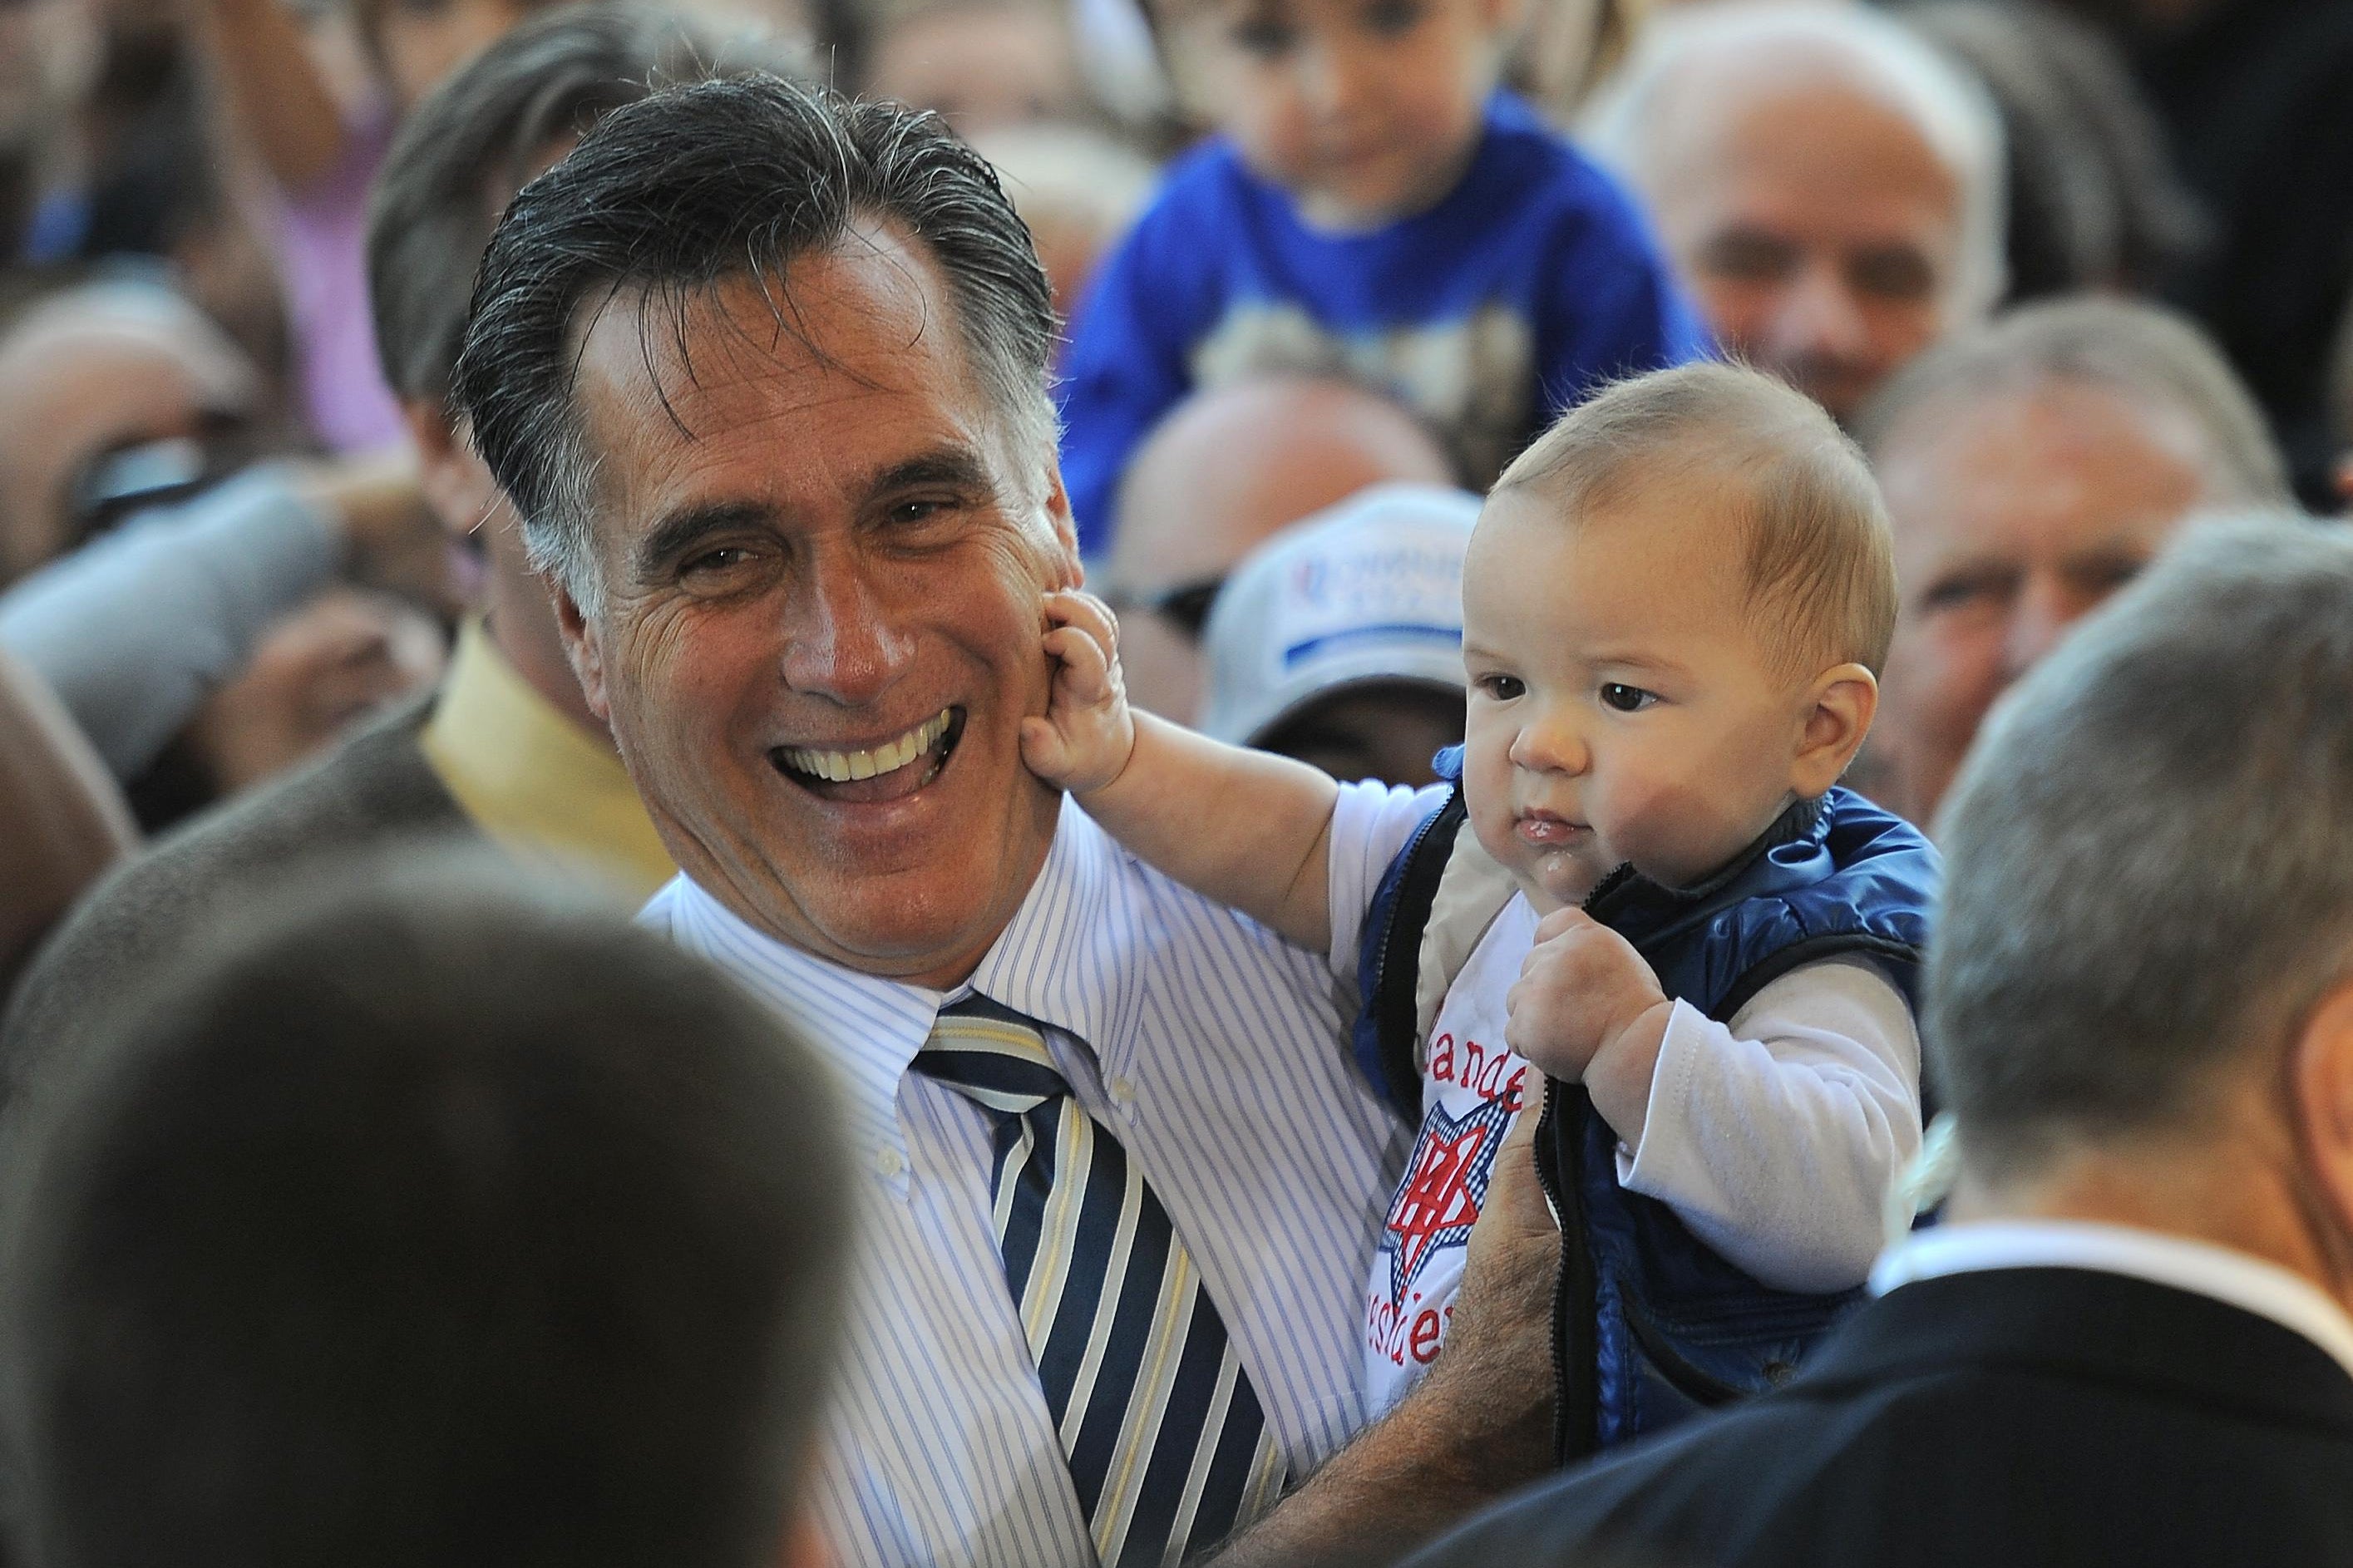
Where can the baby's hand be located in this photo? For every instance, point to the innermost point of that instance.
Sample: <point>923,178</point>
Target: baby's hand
<point>1088,734</point>
<point>1582,989</point>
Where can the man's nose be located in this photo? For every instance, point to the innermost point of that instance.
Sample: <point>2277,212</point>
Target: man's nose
<point>2039,617</point>
<point>1819,318</point>
<point>842,642</point>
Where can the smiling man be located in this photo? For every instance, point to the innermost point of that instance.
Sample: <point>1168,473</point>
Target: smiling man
<point>764,372</point>
<point>1828,187</point>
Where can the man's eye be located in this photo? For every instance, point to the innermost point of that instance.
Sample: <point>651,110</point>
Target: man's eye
<point>1899,274</point>
<point>1264,36</point>
<point>1501,688</point>
<point>1626,699</point>
<point>1748,258</point>
<point>2099,579</point>
<point>1984,589</point>
<point>710,562</point>
<point>1393,18</point>
<point>907,512</point>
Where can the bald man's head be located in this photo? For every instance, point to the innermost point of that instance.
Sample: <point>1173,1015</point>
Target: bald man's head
<point>1829,187</point>
<point>1224,469</point>
<point>95,370</point>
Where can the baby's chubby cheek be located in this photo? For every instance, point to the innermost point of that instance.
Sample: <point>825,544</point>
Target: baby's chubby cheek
<point>1673,831</point>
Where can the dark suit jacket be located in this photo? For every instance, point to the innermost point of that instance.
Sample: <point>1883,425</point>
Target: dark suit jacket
<point>2013,1417</point>
<point>373,790</point>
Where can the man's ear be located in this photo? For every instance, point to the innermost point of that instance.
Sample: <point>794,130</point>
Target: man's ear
<point>456,484</point>
<point>1840,708</point>
<point>584,645</point>
<point>2320,1079</point>
<point>1066,528</point>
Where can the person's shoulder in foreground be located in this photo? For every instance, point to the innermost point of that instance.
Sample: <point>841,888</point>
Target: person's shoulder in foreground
<point>372,789</point>
<point>2045,1415</point>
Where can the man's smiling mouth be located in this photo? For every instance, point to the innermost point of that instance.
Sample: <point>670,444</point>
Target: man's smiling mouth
<point>898,767</point>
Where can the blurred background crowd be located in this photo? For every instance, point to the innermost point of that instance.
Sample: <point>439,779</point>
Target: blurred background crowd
<point>204,348</point>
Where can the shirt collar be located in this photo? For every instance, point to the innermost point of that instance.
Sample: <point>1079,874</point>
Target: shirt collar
<point>1063,958</point>
<point>2218,1273</point>
<point>1052,963</point>
<point>530,776</point>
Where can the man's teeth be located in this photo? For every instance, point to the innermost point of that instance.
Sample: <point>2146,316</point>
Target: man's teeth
<point>841,767</point>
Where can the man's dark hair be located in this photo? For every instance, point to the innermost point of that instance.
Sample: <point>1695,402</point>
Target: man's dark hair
<point>479,137</point>
<point>681,192</point>
<point>427,1219</point>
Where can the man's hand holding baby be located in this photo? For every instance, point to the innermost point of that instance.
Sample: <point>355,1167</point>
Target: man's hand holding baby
<point>1588,1009</point>
<point>1088,734</point>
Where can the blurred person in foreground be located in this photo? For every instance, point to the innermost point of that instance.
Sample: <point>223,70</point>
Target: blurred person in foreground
<point>421,1216</point>
<point>1373,204</point>
<point>506,747</point>
<point>2130,1340</point>
<point>2032,468</point>
<point>1223,471</point>
<point>1828,185</point>
<point>763,371</point>
<point>1339,641</point>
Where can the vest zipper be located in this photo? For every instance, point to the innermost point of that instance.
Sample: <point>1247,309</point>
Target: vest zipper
<point>1576,1381</point>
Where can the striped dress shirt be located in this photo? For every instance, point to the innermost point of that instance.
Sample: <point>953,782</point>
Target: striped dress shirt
<point>1214,1050</point>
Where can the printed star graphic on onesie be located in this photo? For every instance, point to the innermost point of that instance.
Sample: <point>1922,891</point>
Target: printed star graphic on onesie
<point>1441,1197</point>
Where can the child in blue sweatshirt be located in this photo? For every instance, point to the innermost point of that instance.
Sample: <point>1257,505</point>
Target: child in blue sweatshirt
<point>1374,208</point>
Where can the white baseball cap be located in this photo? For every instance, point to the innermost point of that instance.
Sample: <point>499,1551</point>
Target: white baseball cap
<point>1368,590</point>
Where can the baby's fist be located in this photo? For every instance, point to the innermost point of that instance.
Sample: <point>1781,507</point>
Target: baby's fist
<point>1582,987</point>
<point>1086,733</point>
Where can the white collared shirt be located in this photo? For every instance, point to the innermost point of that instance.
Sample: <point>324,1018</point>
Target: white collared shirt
<point>1213,1049</point>
<point>2218,1273</point>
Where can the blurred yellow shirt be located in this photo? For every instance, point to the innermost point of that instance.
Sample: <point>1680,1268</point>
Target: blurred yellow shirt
<point>539,785</point>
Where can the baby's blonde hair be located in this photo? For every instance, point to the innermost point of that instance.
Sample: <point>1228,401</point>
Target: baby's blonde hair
<point>1816,547</point>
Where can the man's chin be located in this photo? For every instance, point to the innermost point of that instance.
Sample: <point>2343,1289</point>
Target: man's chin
<point>921,901</point>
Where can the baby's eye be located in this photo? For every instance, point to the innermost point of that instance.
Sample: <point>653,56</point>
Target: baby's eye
<point>1626,699</point>
<point>1501,688</point>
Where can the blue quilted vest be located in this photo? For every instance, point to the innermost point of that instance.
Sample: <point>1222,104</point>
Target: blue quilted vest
<point>1650,1325</point>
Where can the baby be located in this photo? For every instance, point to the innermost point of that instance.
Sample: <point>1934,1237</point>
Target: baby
<point>1675,605</point>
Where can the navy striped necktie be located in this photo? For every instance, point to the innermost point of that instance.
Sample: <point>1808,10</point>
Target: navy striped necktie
<point>1166,1443</point>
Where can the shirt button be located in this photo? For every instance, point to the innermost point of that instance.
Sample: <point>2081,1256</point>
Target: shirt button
<point>1122,1090</point>
<point>889,1161</point>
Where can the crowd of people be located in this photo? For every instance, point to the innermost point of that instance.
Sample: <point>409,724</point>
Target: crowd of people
<point>874,784</point>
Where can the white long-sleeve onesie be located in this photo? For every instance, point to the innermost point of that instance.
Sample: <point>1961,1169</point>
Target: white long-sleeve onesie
<point>1775,1137</point>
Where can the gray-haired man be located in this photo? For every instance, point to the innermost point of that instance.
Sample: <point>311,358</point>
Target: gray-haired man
<point>763,370</point>
<point>2132,1343</point>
